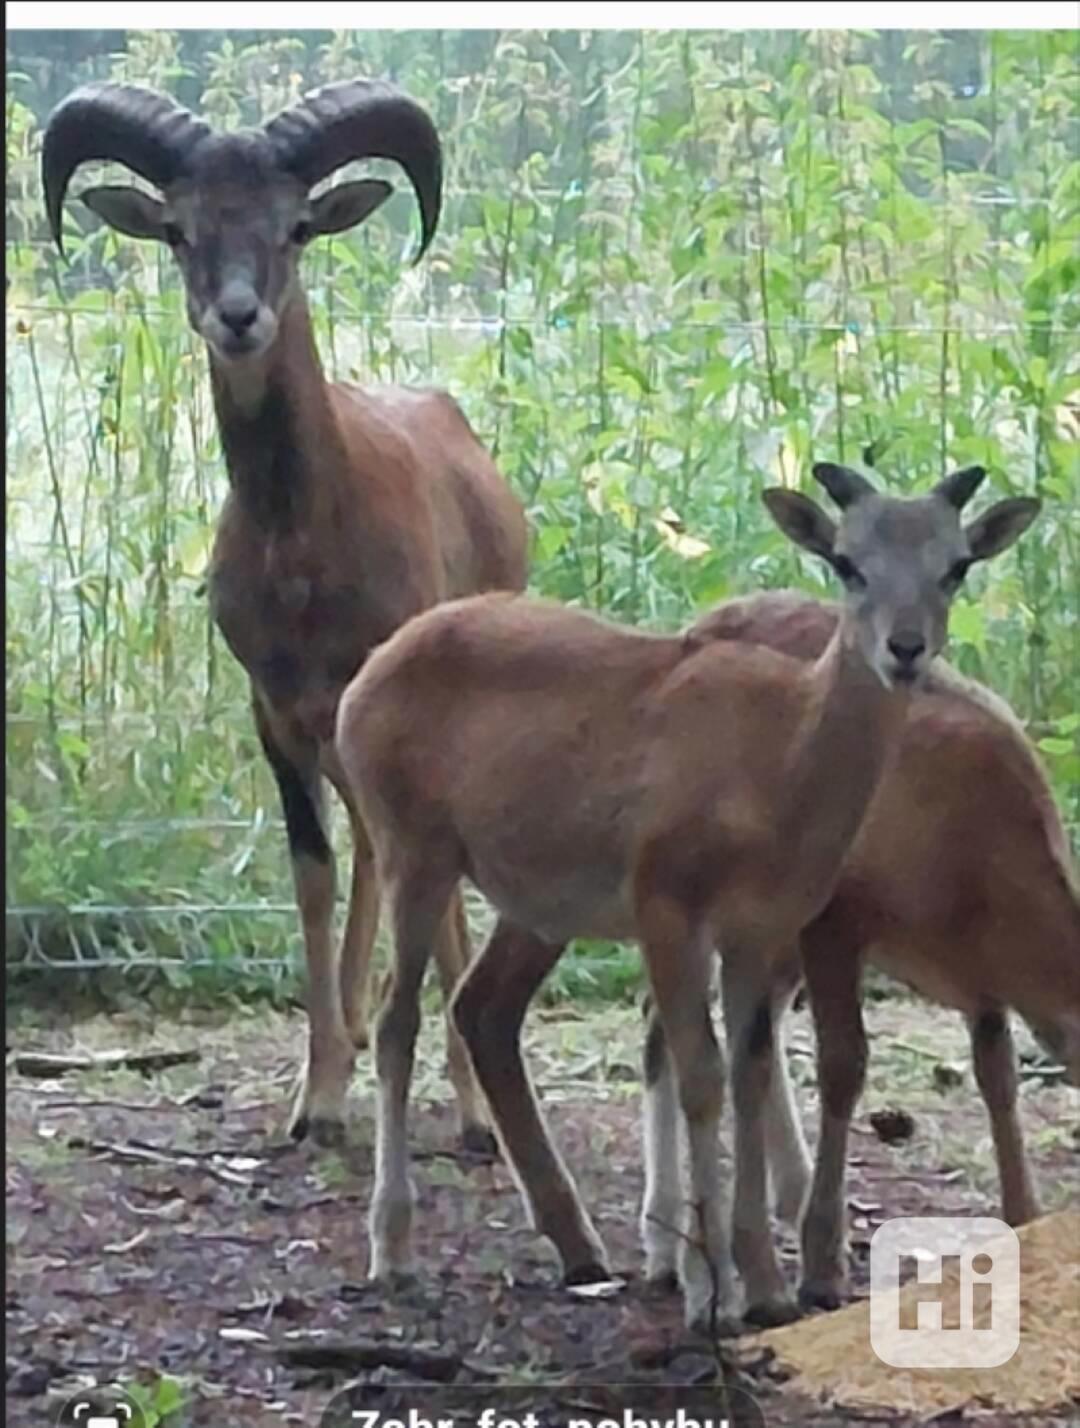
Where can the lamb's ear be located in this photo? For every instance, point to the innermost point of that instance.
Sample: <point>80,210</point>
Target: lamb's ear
<point>347,204</point>
<point>128,210</point>
<point>843,484</point>
<point>802,520</point>
<point>959,487</point>
<point>997,529</point>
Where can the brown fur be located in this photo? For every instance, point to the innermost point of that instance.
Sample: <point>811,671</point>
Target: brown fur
<point>614,817</point>
<point>350,510</point>
<point>963,860</point>
<point>960,883</point>
<point>471,749</point>
<point>688,792</point>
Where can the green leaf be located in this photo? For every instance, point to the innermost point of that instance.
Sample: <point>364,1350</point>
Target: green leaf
<point>968,126</point>
<point>1059,747</point>
<point>966,625</point>
<point>168,1397</point>
<point>550,539</point>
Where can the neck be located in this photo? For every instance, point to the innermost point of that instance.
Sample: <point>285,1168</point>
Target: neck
<point>277,430</point>
<point>852,727</point>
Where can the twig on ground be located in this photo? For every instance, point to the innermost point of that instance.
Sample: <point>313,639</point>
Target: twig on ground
<point>77,1103</point>
<point>133,1151</point>
<point>44,1064</point>
<point>922,1051</point>
<point>354,1354</point>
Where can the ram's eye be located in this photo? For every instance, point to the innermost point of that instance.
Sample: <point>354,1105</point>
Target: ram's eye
<point>301,232</point>
<point>849,572</point>
<point>954,576</point>
<point>173,235</point>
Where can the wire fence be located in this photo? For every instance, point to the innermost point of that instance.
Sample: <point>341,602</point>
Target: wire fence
<point>670,268</point>
<point>492,326</point>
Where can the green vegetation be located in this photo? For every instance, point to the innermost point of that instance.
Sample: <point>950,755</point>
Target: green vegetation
<point>671,267</point>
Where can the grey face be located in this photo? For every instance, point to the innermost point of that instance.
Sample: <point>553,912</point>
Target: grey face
<point>901,562</point>
<point>236,225</point>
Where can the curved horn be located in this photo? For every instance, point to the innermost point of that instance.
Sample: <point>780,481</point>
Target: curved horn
<point>362,119</point>
<point>147,132</point>
<point>843,485</point>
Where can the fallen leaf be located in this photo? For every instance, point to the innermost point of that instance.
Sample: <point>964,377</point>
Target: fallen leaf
<point>599,1289</point>
<point>294,1246</point>
<point>243,1162</point>
<point>237,1335</point>
<point>125,1245</point>
<point>174,1209</point>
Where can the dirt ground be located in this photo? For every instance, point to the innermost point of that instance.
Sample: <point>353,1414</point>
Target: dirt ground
<point>162,1232</point>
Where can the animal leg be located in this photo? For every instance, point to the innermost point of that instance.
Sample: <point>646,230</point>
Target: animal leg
<point>748,1019</point>
<point>319,1107</point>
<point>418,892</point>
<point>452,959</point>
<point>489,1008</point>
<point>662,1204</point>
<point>785,1144</point>
<point>679,955</point>
<point>833,974</point>
<point>788,1158</point>
<point>994,1056</point>
<point>358,944</point>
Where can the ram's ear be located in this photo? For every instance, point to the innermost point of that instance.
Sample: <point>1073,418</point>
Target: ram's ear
<point>347,204</point>
<point>128,210</point>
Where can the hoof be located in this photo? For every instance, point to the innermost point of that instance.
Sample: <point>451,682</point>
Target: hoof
<point>720,1326</point>
<point>476,1139</point>
<point>771,1313</point>
<point>396,1281</point>
<point>821,1296</point>
<point>663,1281</point>
<point>327,1134</point>
<point>594,1273</point>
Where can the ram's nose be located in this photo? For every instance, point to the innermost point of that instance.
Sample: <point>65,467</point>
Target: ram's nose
<point>238,311</point>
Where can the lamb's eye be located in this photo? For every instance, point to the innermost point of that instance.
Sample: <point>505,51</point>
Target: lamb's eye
<point>173,235</point>
<point>954,576</point>
<point>301,232</point>
<point>849,572</point>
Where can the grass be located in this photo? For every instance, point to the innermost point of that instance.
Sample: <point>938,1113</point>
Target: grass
<point>672,268</point>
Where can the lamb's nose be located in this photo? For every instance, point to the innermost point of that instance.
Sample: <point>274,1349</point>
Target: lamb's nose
<point>906,647</point>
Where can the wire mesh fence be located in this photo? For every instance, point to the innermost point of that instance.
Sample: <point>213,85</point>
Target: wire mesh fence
<point>670,267</point>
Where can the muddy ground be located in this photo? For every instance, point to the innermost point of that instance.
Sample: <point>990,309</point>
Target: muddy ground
<point>162,1232</point>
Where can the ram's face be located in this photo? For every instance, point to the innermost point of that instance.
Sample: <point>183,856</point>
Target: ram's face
<point>236,227</point>
<point>236,224</point>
